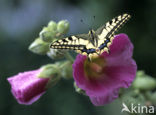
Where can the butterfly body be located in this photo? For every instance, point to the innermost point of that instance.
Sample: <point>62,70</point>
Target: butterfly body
<point>95,42</point>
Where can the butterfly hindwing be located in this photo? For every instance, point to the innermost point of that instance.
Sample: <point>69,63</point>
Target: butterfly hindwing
<point>88,46</point>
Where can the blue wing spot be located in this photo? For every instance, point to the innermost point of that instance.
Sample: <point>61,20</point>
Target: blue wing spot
<point>102,46</point>
<point>107,41</point>
<point>88,51</point>
<point>84,50</point>
<point>91,51</point>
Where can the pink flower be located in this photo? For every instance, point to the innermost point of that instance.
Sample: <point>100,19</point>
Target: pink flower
<point>27,87</point>
<point>102,78</point>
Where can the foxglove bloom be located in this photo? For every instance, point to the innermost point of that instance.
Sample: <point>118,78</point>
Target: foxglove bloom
<point>27,87</point>
<point>102,77</point>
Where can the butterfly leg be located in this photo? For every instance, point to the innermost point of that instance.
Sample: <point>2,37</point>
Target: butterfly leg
<point>89,57</point>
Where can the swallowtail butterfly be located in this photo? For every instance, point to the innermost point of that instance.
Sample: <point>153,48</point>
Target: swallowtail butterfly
<point>95,42</point>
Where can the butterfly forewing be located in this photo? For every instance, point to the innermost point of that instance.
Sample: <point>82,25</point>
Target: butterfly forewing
<point>79,43</point>
<point>106,33</point>
<point>71,42</point>
<point>112,26</point>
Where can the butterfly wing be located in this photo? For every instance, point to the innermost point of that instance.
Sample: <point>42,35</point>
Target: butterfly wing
<point>79,43</point>
<point>106,32</point>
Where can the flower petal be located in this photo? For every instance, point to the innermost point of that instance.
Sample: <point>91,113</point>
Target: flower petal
<point>121,44</point>
<point>108,96</point>
<point>120,60</point>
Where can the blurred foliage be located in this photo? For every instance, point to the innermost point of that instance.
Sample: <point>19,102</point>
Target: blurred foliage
<point>21,22</point>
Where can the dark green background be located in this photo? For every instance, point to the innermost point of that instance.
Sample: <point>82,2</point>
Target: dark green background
<point>21,22</point>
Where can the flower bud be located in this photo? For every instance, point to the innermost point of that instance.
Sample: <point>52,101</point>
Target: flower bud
<point>63,27</point>
<point>52,26</point>
<point>144,82</point>
<point>27,87</point>
<point>47,71</point>
<point>39,47</point>
<point>140,73</point>
<point>48,33</point>
<point>51,71</point>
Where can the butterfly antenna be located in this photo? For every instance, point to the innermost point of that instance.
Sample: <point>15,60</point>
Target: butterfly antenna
<point>94,18</point>
<point>93,21</point>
